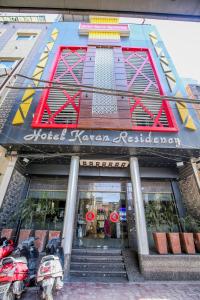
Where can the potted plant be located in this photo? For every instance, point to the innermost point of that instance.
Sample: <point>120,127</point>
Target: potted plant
<point>155,221</point>
<point>187,239</point>
<point>196,233</point>
<point>197,240</point>
<point>172,237</point>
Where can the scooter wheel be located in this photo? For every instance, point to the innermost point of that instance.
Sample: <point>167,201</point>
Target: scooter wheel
<point>10,296</point>
<point>48,293</point>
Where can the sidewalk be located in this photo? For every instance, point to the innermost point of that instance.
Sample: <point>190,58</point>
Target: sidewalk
<point>125,291</point>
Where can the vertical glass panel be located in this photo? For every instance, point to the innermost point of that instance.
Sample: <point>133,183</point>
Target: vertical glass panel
<point>101,220</point>
<point>160,208</point>
<point>44,210</point>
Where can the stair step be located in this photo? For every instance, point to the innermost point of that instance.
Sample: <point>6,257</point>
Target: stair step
<point>97,265</point>
<point>98,273</point>
<point>96,252</point>
<point>74,278</point>
<point>89,266</point>
<point>86,258</point>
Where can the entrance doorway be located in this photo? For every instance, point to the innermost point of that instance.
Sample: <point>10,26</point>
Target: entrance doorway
<point>101,221</point>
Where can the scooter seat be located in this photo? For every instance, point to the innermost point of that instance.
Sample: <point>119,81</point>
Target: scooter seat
<point>21,259</point>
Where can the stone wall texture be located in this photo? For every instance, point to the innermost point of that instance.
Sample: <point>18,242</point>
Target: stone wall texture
<point>190,190</point>
<point>170,267</point>
<point>13,198</point>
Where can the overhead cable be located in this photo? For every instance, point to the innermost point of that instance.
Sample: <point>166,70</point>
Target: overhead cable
<point>98,90</point>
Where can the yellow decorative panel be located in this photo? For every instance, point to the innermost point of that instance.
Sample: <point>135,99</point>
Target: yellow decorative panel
<point>24,107</point>
<point>184,113</point>
<point>165,67</point>
<point>49,46</point>
<point>153,37</point>
<point>18,119</point>
<point>104,20</point>
<point>164,60</point>
<point>190,124</point>
<point>54,34</point>
<point>170,80</point>
<point>158,50</point>
<point>37,74</point>
<point>104,35</point>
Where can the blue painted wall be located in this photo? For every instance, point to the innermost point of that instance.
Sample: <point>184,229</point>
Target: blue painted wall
<point>139,37</point>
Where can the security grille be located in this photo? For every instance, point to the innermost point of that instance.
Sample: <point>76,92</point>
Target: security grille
<point>146,113</point>
<point>60,108</point>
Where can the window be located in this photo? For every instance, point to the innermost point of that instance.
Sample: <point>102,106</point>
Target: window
<point>6,64</point>
<point>60,109</point>
<point>44,205</point>
<point>147,113</point>
<point>44,209</point>
<point>160,208</point>
<point>25,36</point>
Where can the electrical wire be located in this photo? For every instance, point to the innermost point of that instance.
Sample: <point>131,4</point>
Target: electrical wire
<point>97,90</point>
<point>113,156</point>
<point>112,92</point>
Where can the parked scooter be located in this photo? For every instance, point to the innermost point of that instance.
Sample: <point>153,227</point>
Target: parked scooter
<point>50,272</point>
<point>6,247</point>
<point>13,277</point>
<point>30,252</point>
<point>15,274</point>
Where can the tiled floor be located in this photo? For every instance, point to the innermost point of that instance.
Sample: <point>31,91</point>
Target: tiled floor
<point>125,291</point>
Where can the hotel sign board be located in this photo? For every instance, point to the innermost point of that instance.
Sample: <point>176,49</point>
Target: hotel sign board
<point>85,28</point>
<point>106,138</point>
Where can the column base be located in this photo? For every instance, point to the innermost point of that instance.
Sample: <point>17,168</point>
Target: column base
<point>67,261</point>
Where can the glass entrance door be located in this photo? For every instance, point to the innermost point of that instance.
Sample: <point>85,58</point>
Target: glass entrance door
<point>101,220</point>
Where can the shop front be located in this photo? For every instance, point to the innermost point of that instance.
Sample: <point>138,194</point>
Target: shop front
<point>104,210</point>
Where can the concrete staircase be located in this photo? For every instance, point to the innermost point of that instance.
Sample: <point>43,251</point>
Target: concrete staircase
<point>97,265</point>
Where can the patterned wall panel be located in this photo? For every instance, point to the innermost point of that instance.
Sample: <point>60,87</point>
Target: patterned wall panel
<point>14,195</point>
<point>27,98</point>
<point>172,83</point>
<point>104,78</point>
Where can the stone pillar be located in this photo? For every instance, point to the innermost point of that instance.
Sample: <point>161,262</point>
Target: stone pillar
<point>142,240</point>
<point>70,208</point>
<point>6,178</point>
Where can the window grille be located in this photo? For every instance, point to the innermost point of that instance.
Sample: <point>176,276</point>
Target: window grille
<point>146,113</point>
<point>60,108</point>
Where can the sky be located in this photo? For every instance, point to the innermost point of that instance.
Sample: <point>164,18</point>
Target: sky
<point>182,40</point>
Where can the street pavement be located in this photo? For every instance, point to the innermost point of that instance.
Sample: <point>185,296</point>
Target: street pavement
<point>124,291</point>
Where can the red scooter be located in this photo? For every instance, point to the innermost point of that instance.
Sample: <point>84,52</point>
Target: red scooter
<point>13,276</point>
<point>17,272</point>
<point>6,247</point>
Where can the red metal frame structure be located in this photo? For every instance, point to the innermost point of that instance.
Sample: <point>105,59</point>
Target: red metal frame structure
<point>61,108</point>
<point>136,102</point>
<point>46,115</point>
